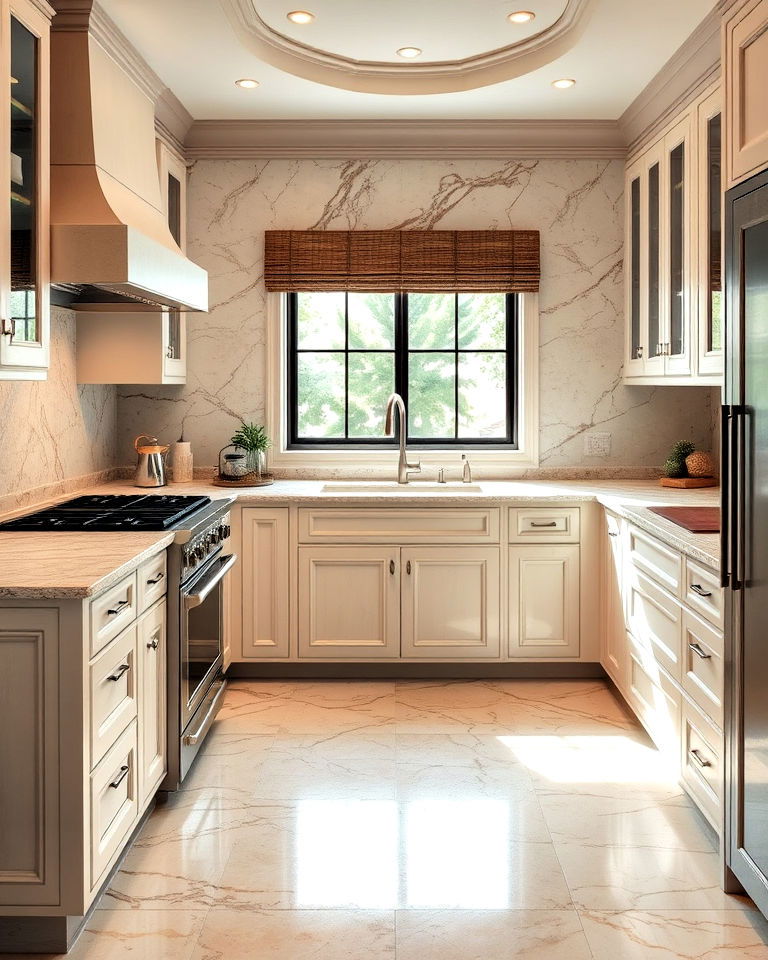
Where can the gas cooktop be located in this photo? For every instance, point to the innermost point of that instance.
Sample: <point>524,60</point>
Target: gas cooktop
<point>105,512</point>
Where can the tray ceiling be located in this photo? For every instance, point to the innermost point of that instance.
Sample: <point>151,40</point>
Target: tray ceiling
<point>344,65</point>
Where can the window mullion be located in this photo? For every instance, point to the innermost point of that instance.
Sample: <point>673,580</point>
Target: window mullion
<point>456,367</point>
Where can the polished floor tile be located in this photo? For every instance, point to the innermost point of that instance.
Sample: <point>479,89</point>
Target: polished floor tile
<point>438,820</point>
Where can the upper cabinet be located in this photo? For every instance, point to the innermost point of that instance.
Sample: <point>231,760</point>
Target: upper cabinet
<point>745,69</point>
<point>672,264</point>
<point>130,346</point>
<point>24,229</point>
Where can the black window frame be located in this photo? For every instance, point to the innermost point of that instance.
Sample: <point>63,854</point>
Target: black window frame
<point>401,351</point>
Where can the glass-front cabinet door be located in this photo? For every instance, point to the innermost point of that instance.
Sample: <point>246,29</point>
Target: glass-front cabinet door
<point>636,337</point>
<point>654,267</point>
<point>677,328</point>
<point>24,271</point>
<point>710,216</point>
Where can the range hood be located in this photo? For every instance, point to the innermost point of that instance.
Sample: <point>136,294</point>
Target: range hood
<point>110,240</point>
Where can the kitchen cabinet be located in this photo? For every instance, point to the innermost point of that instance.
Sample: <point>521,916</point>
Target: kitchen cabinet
<point>24,229</point>
<point>450,602</point>
<point>673,238</point>
<point>662,645</point>
<point>614,644</point>
<point>745,74</point>
<point>544,604</point>
<point>83,730</point>
<point>349,601</point>
<point>264,570</point>
<point>152,655</point>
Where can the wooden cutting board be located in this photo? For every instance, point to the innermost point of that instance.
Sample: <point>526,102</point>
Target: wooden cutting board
<point>695,519</point>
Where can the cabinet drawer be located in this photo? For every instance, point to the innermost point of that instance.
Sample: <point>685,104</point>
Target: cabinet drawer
<point>656,560</point>
<point>113,692</point>
<point>702,762</point>
<point>152,576</point>
<point>703,667</point>
<point>656,700</point>
<point>654,619</point>
<point>544,525</point>
<point>702,592</point>
<point>114,802</point>
<point>398,526</point>
<point>112,611</point>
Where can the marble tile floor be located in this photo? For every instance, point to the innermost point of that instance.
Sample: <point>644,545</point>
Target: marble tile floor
<point>424,821</point>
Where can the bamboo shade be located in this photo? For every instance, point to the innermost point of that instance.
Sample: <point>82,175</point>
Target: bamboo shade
<point>440,261</point>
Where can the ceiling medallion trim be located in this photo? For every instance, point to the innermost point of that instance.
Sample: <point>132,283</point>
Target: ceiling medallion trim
<point>321,66</point>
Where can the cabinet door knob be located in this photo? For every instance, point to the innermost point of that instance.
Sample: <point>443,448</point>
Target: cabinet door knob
<point>153,645</point>
<point>408,567</point>
<point>392,566</point>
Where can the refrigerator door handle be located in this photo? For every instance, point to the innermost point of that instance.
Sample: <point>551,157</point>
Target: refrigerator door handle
<point>736,443</point>
<point>725,506</point>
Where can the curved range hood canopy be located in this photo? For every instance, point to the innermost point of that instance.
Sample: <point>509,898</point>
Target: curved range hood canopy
<point>110,239</point>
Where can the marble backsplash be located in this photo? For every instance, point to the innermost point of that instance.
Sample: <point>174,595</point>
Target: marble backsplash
<point>577,206</point>
<point>57,436</point>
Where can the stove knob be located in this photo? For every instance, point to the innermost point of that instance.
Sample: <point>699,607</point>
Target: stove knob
<point>200,551</point>
<point>227,530</point>
<point>215,537</point>
<point>190,560</point>
<point>222,532</point>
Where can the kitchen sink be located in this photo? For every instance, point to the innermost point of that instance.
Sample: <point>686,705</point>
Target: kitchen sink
<point>391,486</point>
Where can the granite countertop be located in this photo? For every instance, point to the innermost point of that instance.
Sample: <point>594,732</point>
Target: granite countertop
<point>36,565</point>
<point>628,498</point>
<point>64,566</point>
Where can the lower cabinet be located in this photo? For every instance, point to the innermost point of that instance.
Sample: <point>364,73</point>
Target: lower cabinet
<point>450,602</point>
<point>266,586</point>
<point>349,601</point>
<point>673,673</point>
<point>152,656</point>
<point>544,601</point>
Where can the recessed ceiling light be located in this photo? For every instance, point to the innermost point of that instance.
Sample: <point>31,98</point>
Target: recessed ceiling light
<point>521,16</point>
<point>301,16</point>
<point>246,83</point>
<point>409,52</point>
<point>564,83</point>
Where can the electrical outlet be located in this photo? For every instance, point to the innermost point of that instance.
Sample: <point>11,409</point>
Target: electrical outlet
<point>597,444</point>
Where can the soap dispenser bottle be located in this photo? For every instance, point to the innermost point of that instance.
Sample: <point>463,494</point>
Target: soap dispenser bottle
<point>467,472</point>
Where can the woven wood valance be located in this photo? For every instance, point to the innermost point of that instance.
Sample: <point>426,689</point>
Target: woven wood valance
<point>441,261</point>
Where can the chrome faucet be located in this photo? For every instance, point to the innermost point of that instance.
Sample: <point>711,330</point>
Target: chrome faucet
<point>403,467</point>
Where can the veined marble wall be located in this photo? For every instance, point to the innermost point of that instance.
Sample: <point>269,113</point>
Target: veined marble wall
<point>56,435</point>
<point>577,206</point>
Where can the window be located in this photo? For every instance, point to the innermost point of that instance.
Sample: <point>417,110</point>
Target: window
<point>452,357</point>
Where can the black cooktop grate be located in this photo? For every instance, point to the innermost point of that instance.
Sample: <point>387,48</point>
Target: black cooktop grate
<point>111,512</point>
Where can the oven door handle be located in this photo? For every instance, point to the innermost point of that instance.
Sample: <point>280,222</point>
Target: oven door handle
<point>225,565</point>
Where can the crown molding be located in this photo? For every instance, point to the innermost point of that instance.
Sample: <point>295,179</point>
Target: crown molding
<point>403,139</point>
<point>693,67</point>
<point>172,120</point>
<point>365,76</point>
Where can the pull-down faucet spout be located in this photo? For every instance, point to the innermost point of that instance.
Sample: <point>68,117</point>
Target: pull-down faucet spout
<point>404,468</point>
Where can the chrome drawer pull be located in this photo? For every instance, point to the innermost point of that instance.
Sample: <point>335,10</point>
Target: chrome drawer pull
<point>612,533</point>
<point>699,651</point>
<point>153,645</point>
<point>549,523</point>
<point>697,588</point>
<point>695,755</point>
<point>123,668</point>
<point>154,580</point>
<point>120,776</point>
<point>117,608</point>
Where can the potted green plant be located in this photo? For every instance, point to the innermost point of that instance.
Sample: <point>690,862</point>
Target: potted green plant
<point>254,440</point>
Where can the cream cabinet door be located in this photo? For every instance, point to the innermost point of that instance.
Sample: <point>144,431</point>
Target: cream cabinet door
<point>265,583</point>
<point>745,72</point>
<point>349,601</point>
<point>450,602</point>
<point>152,657</point>
<point>544,601</point>
<point>614,639</point>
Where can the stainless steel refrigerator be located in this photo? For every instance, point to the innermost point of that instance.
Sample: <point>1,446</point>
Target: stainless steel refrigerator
<point>744,476</point>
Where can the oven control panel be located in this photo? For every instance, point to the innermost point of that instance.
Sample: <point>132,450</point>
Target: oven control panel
<point>197,550</point>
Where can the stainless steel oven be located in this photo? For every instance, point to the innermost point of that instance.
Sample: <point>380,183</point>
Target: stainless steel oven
<point>201,632</point>
<point>199,562</point>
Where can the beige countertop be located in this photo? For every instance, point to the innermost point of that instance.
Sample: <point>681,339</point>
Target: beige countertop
<point>59,565</point>
<point>70,565</point>
<point>629,498</point>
